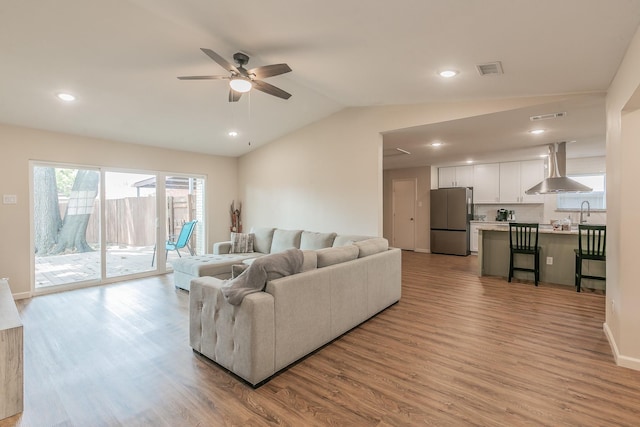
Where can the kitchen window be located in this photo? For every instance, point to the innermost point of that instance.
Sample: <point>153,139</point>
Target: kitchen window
<point>597,198</point>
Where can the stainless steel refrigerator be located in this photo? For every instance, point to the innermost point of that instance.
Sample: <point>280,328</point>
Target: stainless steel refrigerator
<point>451,211</point>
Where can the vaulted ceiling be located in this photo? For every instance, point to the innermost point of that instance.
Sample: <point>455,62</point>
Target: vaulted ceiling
<point>121,59</point>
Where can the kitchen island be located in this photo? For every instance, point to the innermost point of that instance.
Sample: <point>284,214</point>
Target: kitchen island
<point>493,256</point>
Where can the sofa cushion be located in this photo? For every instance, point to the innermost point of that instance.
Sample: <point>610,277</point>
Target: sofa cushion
<point>241,243</point>
<point>336,255</point>
<point>262,239</point>
<point>310,261</point>
<point>209,265</point>
<point>372,246</point>
<point>348,239</point>
<point>313,240</point>
<point>285,239</point>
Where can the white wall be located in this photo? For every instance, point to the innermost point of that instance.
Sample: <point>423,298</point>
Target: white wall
<point>623,228</point>
<point>328,175</point>
<point>20,145</point>
<point>325,177</point>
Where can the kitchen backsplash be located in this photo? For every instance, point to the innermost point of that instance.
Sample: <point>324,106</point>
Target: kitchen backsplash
<point>524,213</point>
<point>536,213</point>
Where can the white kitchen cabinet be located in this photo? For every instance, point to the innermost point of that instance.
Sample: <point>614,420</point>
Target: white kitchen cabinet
<point>510,182</point>
<point>455,176</point>
<point>446,177</point>
<point>518,177</point>
<point>486,183</point>
<point>473,241</point>
<point>531,173</point>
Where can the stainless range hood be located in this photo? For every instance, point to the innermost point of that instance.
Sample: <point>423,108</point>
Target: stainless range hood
<point>557,181</point>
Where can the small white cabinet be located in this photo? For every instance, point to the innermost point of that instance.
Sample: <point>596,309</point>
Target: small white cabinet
<point>455,176</point>
<point>486,185</point>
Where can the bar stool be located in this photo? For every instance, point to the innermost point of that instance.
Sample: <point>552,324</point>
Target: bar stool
<point>592,241</point>
<point>523,239</point>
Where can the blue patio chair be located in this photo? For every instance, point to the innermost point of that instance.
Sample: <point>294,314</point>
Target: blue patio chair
<point>183,241</point>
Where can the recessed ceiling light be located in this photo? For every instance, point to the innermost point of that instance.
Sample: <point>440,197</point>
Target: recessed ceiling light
<point>448,73</point>
<point>66,97</point>
<point>436,144</point>
<point>469,161</point>
<point>233,133</point>
<point>536,131</point>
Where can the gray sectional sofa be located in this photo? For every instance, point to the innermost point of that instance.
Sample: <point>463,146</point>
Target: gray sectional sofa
<point>345,280</point>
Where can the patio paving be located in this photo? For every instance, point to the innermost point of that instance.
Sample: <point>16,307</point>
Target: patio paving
<point>78,267</point>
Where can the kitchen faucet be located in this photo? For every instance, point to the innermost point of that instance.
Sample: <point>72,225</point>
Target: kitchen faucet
<point>582,220</point>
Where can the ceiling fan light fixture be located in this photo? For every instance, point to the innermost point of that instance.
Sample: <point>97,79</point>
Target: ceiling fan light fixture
<point>240,85</point>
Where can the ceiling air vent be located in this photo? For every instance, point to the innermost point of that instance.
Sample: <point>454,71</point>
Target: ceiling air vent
<point>490,68</point>
<point>548,116</point>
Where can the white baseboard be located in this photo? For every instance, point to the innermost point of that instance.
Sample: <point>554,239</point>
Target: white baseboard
<point>22,295</point>
<point>422,251</point>
<point>621,360</point>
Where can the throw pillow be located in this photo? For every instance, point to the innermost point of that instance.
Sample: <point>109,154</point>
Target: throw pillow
<point>241,243</point>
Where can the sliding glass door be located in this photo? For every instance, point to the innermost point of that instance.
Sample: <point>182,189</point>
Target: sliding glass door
<point>94,225</point>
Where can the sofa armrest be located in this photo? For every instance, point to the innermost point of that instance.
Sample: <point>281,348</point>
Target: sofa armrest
<point>221,248</point>
<point>240,338</point>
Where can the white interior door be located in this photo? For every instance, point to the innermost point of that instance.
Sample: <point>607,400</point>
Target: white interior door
<point>404,213</point>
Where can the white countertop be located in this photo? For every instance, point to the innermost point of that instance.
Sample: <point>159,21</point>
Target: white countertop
<point>479,221</point>
<point>504,226</point>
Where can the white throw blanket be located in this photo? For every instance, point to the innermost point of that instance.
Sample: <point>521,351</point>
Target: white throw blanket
<point>263,269</point>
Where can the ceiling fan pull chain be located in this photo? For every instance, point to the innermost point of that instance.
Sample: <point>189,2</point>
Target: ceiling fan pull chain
<point>249,125</point>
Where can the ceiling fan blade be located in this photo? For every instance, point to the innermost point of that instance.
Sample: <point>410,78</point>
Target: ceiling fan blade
<point>220,60</point>
<point>234,96</point>
<point>269,70</point>
<point>203,77</point>
<point>270,89</point>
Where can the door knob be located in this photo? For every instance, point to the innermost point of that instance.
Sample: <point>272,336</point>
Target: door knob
<point>411,219</point>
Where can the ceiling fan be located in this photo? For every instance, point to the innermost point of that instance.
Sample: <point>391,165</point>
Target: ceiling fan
<point>242,80</point>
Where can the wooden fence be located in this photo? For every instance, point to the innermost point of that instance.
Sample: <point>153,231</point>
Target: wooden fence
<point>131,221</point>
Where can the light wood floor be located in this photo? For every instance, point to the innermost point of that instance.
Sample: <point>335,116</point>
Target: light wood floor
<point>457,350</point>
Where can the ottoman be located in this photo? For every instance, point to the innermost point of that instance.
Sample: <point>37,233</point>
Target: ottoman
<point>190,267</point>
